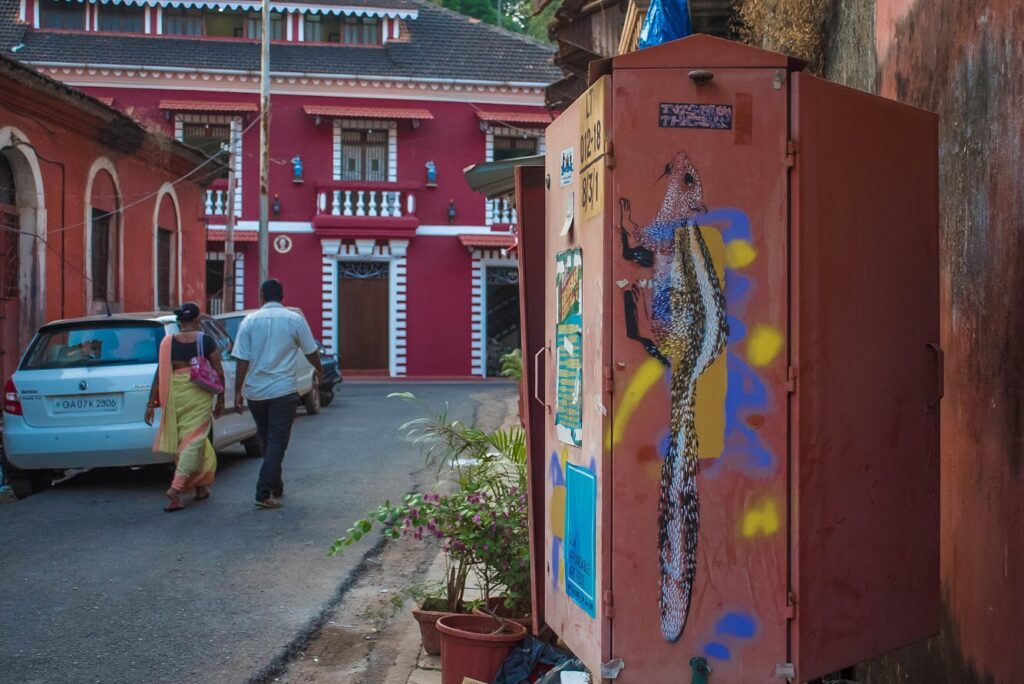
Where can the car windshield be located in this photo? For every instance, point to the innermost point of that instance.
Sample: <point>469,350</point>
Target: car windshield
<point>91,344</point>
<point>231,325</point>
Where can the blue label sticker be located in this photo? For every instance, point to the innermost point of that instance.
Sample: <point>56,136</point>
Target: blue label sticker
<point>580,536</point>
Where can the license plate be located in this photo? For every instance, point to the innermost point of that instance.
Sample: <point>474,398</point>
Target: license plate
<point>97,403</point>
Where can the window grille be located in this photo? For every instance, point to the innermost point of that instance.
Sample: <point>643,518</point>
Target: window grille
<point>61,14</point>
<point>509,147</point>
<point>121,18</point>
<point>364,155</point>
<point>502,275</point>
<point>182,22</point>
<point>363,270</point>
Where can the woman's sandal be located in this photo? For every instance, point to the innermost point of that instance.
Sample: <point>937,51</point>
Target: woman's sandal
<point>175,504</point>
<point>202,493</point>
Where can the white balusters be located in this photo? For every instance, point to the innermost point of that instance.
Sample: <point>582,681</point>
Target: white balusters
<point>216,202</point>
<point>381,203</point>
<point>502,211</point>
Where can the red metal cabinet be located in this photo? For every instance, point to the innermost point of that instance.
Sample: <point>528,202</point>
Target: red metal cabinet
<point>741,373</point>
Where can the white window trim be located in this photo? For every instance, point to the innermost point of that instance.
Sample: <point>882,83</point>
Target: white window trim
<point>236,140</point>
<point>392,128</point>
<point>482,260</point>
<point>394,252</point>
<point>239,276</point>
<point>502,132</point>
<point>167,190</point>
<point>117,221</point>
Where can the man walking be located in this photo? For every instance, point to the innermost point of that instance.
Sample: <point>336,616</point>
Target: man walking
<point>267,348</point>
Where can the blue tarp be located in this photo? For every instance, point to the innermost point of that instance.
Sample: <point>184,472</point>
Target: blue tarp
<point>666,20</point>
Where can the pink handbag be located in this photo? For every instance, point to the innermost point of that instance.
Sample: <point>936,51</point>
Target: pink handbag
<point>202,372</point>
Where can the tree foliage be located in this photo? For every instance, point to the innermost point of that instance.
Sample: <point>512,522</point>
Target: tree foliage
<point>516,15</point>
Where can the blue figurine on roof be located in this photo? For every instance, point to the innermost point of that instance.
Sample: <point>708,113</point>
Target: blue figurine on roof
<point>431,173</point>
<point>297,169</point>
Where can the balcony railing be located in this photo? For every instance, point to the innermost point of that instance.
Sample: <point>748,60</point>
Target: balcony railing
<point>500,211</point>
<point>217,198</point>
<point>363,204</point>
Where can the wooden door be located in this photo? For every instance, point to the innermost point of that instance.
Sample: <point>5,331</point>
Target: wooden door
<point>10,312</point>
<point>363,305</point>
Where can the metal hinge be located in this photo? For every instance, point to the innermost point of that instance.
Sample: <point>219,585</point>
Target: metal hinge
<point>790,161</point>
<point>609,380</point>
<point>790,610</point>
<point>791,379</point>
<point>612,668</point>
<point>609,154</point>
<point>609,605</point>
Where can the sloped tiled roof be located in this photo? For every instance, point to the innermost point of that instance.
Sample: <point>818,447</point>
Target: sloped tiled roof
<point>10,30</point>
<point>442,45</point>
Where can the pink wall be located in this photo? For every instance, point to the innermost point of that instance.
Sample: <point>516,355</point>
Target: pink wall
<point>452,139</point>
<point>439,307</point>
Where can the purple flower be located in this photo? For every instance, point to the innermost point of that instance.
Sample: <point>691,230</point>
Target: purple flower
<point>476,518</point>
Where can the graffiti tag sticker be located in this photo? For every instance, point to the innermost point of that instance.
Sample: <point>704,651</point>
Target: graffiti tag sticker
<point>569,351</point>
<point>690,115</point>
<point>565,173</point>
<point>580,536</point>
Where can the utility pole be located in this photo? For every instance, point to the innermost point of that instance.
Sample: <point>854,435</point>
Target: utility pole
<point>264,243</point>
<point>229,233</point>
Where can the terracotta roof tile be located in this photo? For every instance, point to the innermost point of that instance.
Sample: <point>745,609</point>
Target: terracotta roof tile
<point>543,118</point>
<point>217,235</point>
<point>368,112</point>
<point>502,240</point>
<point>208,106</point>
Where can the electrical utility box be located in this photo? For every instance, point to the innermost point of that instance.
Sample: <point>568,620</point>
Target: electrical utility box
<point>741,370</point>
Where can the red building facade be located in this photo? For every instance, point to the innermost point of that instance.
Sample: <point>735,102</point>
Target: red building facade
<point>398,265</point>
<point>96,213</point>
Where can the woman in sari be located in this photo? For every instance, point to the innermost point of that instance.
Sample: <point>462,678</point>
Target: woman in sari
<point>188,409</point>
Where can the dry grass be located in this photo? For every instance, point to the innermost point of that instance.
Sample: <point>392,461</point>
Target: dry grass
<point>795,27</point>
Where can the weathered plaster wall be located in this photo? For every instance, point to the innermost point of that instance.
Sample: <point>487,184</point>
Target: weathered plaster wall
<point>965,60</point>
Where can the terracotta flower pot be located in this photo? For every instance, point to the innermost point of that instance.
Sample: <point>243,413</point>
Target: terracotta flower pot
<point>470,648</point>
<point>429,635</point>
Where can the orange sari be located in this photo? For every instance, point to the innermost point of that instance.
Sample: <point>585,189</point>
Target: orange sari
<point>186,419</point>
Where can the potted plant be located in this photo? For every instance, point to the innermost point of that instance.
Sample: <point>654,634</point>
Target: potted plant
<point>477,511</point>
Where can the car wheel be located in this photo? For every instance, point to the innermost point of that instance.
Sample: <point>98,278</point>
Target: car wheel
<point>253,447</point>
<point>25,482</point>
<point>326,397</point>
<point>312,400</point>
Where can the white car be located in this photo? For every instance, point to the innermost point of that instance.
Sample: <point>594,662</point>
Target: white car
<point>78,398</point>
<point>305,375</point>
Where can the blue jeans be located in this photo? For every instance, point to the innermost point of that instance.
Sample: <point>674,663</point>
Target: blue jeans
<point>274,419</point>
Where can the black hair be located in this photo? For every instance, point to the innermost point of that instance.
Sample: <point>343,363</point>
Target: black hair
<point>272,290</point>
<point>189,311</point>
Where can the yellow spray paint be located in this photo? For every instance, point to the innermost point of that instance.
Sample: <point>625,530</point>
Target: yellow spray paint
<point>739,254</point>
<point>643,380</point>
<point>761,520</point>
<point>764,345</point>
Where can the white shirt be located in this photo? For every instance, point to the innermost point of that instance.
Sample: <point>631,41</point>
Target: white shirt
<point>270,340</point>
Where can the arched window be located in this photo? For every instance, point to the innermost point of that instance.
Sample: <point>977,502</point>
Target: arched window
<point>103,239</point>
<point>167,266</point>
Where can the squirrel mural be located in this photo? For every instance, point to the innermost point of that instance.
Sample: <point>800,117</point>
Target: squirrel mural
<point>690,327</point>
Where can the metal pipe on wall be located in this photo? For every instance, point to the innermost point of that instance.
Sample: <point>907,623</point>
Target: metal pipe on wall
<point>264,236</point>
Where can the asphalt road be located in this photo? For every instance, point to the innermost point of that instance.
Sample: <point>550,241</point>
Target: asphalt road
<point>99,584</point>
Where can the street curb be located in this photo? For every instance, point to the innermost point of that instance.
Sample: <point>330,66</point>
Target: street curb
<point>279,664</point>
